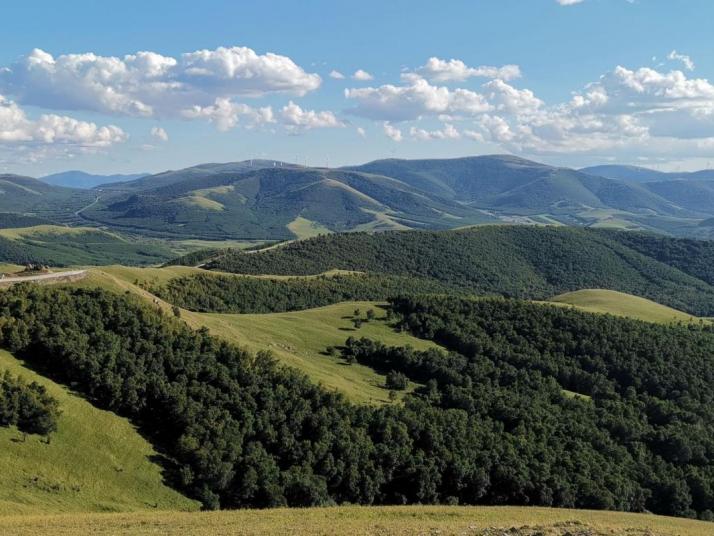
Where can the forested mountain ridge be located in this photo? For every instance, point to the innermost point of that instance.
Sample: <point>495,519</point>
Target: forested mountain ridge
<point>515,261</point>
<point>271,200</point>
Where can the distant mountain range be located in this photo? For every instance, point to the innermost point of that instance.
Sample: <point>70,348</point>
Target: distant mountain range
<point>641,174</point>
<point>80,179</point>
<point>265,199</point>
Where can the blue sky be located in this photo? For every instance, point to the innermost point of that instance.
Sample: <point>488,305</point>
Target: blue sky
<point>597,81</point>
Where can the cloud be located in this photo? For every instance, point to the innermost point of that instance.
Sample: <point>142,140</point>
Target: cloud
<point>147,84</point>
<point>438,70</point>
<point>448,132</point>
<point>361,132</point>
<point>409,102</point>
<point>159,133</point>
<point>362,76</point>
<point>686,60</point>
<point>569,2</point>
<point>392,132</point>
<point>226,114</point>
<point>51,129</point>
<point>337,75</point>
<point>642,111</point>
<point>295,118</point>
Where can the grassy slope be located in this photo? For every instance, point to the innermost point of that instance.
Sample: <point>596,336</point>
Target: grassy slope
<point>96,461</point>
<point>297,338</point>
<point>304,228</point>
<point>385,521</point>
<point>621,304</point>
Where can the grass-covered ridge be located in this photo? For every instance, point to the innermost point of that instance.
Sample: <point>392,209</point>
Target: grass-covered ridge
<point>621,304</point>
<point>513,261</point>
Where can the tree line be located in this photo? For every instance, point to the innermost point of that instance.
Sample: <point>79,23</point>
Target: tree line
<point>236,294</point>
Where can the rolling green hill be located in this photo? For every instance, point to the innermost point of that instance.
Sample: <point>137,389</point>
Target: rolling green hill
<point>621,304</point>
<point>516,261</point>
<point>64,246</point>
<point>95,462</point>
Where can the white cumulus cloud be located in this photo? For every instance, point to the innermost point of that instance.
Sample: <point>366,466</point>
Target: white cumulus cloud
<point>362,76</point>
<point>448,132</point>
<point>453,70</point>
<point>337,75</point>
<point>412,101</point>
<point>50,129</point>
<point>148,84</point>
<point>294,117</point>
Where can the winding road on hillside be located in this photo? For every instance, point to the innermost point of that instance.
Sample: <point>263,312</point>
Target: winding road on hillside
<point>74,274</point>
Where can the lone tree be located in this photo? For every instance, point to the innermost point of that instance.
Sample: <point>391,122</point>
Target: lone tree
<point>370,314</point>
<point>396,381</point>
<point>357,323</point>
<point>357,313</point>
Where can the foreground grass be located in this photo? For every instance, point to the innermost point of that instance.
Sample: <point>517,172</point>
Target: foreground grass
<point>383,521</point>
<point>621,304</point>
<point>95,462</point>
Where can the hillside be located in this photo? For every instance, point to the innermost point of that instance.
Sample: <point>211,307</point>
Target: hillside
<point>621,304</point>
<point>517,261</point>
<point>298,339</point>
<point>30,196</point>
<point>518,186</point>
<point>55,245</point>
<point>272,203</point>
<point>95,462</point>
<point>242,431</point>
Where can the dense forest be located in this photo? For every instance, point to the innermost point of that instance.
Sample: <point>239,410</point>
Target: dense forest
<point>693,257</point>
<point>490,423</point>
<point>235,294</point>
<point>27,406</point>
<point>513,261</point>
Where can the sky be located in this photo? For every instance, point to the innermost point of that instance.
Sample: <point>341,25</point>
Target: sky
<point>133,87</point>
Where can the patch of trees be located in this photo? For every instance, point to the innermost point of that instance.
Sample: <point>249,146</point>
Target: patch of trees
<point>489,423</point>
<point>235,294</point>
<point>525,262</point>
<point>27,406</point>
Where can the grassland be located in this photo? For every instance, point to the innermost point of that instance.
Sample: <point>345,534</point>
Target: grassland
<point>299,339</point>
<point>353,520</point>
<point>621,304</point>
<point>304,228</point>
<point>95,462</point>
